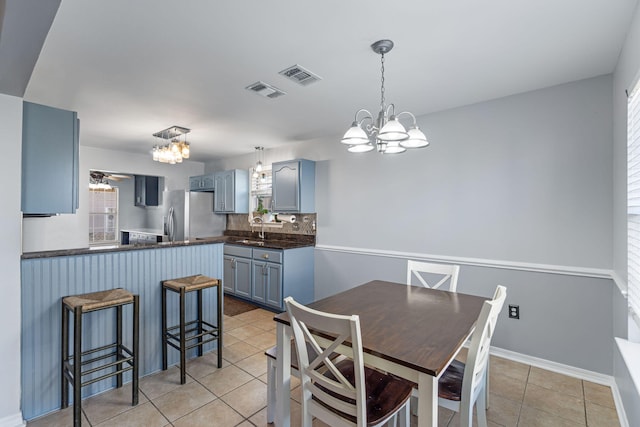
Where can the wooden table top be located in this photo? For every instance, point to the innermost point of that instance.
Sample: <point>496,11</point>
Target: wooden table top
<point>413,326</point>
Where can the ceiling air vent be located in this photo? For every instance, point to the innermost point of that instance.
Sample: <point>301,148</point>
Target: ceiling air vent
<point>300,75</point>
<point>265,89</point>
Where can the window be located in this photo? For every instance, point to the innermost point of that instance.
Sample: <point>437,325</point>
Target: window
<point>103,216</point>
<point>633,202</point>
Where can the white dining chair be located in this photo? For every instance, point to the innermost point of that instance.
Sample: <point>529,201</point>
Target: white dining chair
<point>342,392</point>
<point>418,272</point>
<point>464,385</point>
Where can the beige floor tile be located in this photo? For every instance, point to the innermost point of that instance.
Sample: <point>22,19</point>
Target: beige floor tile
<point>509,368</point>
<point>557,382</point>
<point>245,332</point>
<point>554,402</point>
<point>532,417</point>
<point>145,415</point>
<point>183,400</point>
<point>508,387</point>
<point>109,404</point>
<point>228,340</point>
<point>455,421</point>
<point>263,341</point>
<point>601,416</point>
<point>268,325</point>
<point>248,398</point>
<point>250,316</point>
<point>238,351</point>
<point>199,367</point>
<point>599,394</point>
<point>216,413</point>
<point>255,365</point>
<point>162,382</point>
<point>62,418</point>
<point>225,380</point>
<point>232,323</point>
<point>503,411</point>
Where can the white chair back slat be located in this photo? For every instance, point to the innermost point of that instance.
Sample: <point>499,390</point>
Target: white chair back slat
<point>419,270</point>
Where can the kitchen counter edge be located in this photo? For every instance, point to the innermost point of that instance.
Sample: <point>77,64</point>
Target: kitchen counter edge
<point>272,244</point>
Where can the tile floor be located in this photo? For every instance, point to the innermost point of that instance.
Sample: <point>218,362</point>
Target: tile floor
<point>235,395</point>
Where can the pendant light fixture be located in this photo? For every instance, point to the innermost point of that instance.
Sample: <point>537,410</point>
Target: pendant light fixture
<point>257,169</point>
<point>175,150</point>
<point>386,133</point>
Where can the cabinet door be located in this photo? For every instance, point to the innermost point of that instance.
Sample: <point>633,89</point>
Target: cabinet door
<point>195,182</point>
<point>229,191</point>
<point>229,276</point>
<point>152,191</point>
<point>140,190</point>
<point>273,285</point>
<point>208,182</point>
<point>219,195</point>
<point>243,277</point>
<point>260,278</point>
<point>286,190</point>
<point>49,155</point>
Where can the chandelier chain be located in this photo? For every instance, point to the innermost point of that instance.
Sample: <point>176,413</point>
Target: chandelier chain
<point>382,106</point>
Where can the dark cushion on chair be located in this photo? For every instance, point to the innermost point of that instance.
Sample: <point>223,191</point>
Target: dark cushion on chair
<point>385,393</point>
<point>450,383</point>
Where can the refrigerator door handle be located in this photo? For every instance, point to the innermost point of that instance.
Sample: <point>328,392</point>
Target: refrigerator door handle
<point>170,224</point>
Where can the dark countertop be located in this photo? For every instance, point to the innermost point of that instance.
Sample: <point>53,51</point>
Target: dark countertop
<point>273,241</point>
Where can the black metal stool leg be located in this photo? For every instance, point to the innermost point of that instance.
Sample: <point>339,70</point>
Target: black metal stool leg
<point>164,328</point>
<point>183,339</point>
<point>119,354</point>
<point>136,347</point>
<point>64,354</point>
<point>219,325</point>
<point>199,321</point>
<point>77,365</point>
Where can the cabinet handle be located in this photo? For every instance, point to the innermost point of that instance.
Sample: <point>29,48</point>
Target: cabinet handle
<point>233,263</point>
<point>265,256</point>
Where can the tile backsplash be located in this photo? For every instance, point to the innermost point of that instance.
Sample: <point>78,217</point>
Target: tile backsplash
<point>305,224</point>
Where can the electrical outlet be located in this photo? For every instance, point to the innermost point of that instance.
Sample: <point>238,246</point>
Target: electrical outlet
<point>514,311</point>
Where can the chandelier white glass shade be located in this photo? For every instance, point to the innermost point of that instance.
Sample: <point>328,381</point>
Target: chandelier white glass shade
<point>386,133</point>
<point>175,150</point>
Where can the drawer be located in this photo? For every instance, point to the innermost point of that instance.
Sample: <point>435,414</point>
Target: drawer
<point>234,250</point>
<point>268,255</point>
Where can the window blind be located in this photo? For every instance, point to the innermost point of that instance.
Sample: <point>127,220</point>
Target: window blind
<point>633,203</point>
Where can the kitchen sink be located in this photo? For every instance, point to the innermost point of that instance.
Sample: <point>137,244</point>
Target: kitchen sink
<point>251,242</point>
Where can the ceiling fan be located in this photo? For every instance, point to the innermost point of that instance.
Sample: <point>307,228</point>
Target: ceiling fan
<point>100,176</point>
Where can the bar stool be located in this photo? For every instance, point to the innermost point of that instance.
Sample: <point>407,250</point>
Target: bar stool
<point>72,365</point>
<point>198,328</point>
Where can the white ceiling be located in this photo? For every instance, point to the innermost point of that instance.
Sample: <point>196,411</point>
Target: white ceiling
<point>132,68</point>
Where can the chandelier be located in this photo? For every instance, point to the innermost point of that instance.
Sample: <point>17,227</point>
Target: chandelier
<point>174,150</point>
<point>386,133</point>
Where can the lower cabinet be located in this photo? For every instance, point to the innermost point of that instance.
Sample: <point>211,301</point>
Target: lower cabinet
<point>266,276</point>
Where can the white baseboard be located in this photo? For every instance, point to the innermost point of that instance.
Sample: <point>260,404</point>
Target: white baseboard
<point>13,421</point>
<point>571,371</point>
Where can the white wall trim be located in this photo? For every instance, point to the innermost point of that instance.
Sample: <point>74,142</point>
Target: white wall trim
<point>620,283</point>
<point>478,262</point>
<point>12,421</point>
<point>570,371</point>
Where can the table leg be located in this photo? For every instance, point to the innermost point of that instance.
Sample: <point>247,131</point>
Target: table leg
<point>427,400</point>
<point>283,376</point>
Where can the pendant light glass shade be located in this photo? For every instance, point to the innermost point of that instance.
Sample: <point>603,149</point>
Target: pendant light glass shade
<point>416,139</point>
<point>393,131</point>
<point>360,148</point>
<point>393,147</point>
<point>355,135</point>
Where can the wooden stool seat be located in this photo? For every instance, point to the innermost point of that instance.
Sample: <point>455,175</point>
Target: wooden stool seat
<point>98,300</point>
<point>198,330</point>
<point>94,363</point>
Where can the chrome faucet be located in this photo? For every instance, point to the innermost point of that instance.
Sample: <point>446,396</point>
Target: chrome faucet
<point>259,219</point>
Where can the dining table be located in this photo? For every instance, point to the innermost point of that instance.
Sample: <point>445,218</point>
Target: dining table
<point>409,331</point>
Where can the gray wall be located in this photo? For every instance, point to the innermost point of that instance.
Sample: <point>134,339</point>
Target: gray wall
<point>10,218</point>
<point>522,182</point>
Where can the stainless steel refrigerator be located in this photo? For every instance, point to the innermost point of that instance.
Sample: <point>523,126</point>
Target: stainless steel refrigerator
<point>188,215</point>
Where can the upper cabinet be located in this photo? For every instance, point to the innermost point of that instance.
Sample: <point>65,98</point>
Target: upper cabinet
<point>231,191</point>
<point>50,141</point>
<point>294,186</point>
<point>147,190</point>
<point>202,182</point>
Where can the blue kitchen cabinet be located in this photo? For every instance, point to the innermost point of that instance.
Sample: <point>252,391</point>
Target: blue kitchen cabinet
<point>237,270</point>
<point>267,277</point>
<point>50,143</point>
<point>294,186</point>
<point>202,182</point>
<point>231,191</point>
